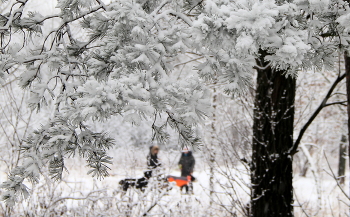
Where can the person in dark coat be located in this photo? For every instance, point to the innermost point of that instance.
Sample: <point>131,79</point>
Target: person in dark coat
<point>152,160</point>
<point>186,165</point>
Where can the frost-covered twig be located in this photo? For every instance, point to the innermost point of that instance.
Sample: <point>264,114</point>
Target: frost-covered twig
<point>176,14</point>
<point>104,6</point>
<point>315,174</point>
<point>188,61</point>
<point>262,68</point>
<point>301,206</point>
<point>161,5</point>
<point>14,15</point>
<point>295,146</point>
<point>335,177</point>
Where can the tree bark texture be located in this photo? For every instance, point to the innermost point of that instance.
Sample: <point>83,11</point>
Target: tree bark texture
<point>272,173</point>
<point>212,148</point>
<point>347,71</point>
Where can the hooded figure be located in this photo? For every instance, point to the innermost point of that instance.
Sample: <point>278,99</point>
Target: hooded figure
<point>152,160</point>
<point>186,163</point>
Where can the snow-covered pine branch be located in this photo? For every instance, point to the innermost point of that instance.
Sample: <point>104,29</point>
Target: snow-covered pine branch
<point>95,61</point>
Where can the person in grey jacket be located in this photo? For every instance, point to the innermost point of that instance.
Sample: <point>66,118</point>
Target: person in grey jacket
<point>186,165</point>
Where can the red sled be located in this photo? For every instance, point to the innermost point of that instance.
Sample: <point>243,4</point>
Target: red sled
<point>180,181</point>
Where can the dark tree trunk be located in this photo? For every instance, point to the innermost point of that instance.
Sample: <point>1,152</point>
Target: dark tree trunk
<point>272,174</point>
<point>342,158</point>
<point>347,71</point>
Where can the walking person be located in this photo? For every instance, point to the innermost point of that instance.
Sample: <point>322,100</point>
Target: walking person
<point>186,165</point>
<point>153,161</point>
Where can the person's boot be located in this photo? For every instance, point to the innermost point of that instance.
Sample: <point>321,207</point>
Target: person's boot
<point>190,188</point>
<point>186,187</point>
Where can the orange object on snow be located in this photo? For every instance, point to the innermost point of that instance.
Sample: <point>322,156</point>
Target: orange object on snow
<point>180,181</point>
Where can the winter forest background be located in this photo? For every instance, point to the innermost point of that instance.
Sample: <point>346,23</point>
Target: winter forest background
<point>257,89</point>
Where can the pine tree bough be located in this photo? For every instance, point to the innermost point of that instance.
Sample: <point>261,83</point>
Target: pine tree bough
<point>98,61</point>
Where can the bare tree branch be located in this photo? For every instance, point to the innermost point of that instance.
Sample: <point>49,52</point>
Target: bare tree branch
<point>335,177</point>
<point>337,103</point>
<point>323,104</point>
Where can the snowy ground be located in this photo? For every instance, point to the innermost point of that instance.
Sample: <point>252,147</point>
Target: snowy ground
<point>81,195</point>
